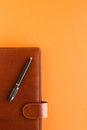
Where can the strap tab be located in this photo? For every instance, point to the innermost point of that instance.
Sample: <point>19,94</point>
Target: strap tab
<point>35,110</point>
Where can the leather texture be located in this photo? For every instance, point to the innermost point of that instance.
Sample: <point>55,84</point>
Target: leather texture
<point>12,116</point>
<point>35,110</point>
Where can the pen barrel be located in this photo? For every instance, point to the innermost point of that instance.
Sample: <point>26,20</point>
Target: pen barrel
<point>24,71</point>
<point>16,87</point>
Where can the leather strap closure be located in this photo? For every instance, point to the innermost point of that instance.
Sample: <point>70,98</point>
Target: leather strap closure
<point>35,110</point>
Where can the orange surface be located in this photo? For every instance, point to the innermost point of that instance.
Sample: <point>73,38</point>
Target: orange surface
<point>59,28</point>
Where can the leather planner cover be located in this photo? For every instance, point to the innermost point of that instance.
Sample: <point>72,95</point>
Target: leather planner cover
<point>27,109</point>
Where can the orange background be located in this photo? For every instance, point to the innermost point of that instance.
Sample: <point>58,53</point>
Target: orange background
<point>59,28</point>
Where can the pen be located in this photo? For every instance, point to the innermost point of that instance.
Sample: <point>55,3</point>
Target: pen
<point>17,85</point>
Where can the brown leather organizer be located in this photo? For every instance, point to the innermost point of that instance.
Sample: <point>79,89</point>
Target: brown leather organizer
<point>27,109</point>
